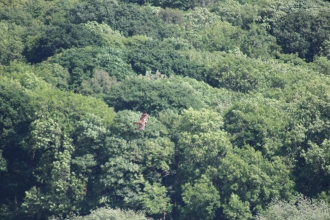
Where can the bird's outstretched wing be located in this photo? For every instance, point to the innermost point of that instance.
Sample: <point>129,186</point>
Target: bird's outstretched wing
<point>143,121</point>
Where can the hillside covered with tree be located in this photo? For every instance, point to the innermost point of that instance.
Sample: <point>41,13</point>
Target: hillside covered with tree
<point>238,97</point>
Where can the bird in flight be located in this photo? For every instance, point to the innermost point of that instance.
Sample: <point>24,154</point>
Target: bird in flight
<point>143,121</point>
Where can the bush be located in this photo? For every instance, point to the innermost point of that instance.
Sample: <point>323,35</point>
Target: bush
<point>299,208</point>
<point>113,214</point>
<point>303,33</point>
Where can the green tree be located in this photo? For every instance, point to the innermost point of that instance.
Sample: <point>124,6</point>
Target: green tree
<point>99,85</point>
<point>14,12</point>
<point>181,4</point>
<point>256,122</point>
<point>171,16</point>
<point>83,62</point>
<point>16,116</point>
<point>154,199</point>
<point>308,117</point>
<point>201,145</point>
<point>253,179</point>
<point>124,167</point>
<point>316,168</point>
<point>90,153</point>
<point>111,38</point>
<point>163,56</point>
<point>303,33</point>
<point>219,36</point>
<point>52,39</point>
<point>56,11</point>
<point>152,95</point>
<point>115,214</point>
<point>130,19</point>
<point>39,179</point>
<point>300,207</point>
<point>236,72</point>
<point>61,181</point>
<point>201,199</point>
<point>11,45</point>
<point>236,209</point>
<point>53,74</point>
<point>199,152</point>
<point>236,13</point>
<point>52,149</point>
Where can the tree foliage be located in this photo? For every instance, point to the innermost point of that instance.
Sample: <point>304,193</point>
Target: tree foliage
<point>83,62</point>
<point>64,36</point>
<point>299,207</point>
<point>155,95</point>
<point>115,214</point>
<point>201,196</point>
<point>237,96</point>
<point>303,33</point>
<point>129,19</point>
<point>11,46</point>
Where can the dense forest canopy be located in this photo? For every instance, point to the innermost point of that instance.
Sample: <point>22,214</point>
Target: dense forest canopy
<point>237,92</point>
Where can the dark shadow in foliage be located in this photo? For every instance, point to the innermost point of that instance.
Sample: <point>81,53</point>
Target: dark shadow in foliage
<point>171,16</point>
<point>140,2</point>
<point>157,56</point>
<point>15,177</point>
<point>82,62</point>
<point>181,4</point>
<point>56,38</point>
<point>99,11</point>
<point>261,126</point>
<point>129,19</point>
<point>152,95</point>
<point>303,33</point>
<point>79,63</point>
<point>99,85</point>
<point>311,118</point>
<point>16,15</point>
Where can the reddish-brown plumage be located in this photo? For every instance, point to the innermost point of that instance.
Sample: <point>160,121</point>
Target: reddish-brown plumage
<point>143,121</point>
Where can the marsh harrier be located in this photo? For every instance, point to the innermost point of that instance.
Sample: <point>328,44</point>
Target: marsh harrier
<point>143,121</point>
